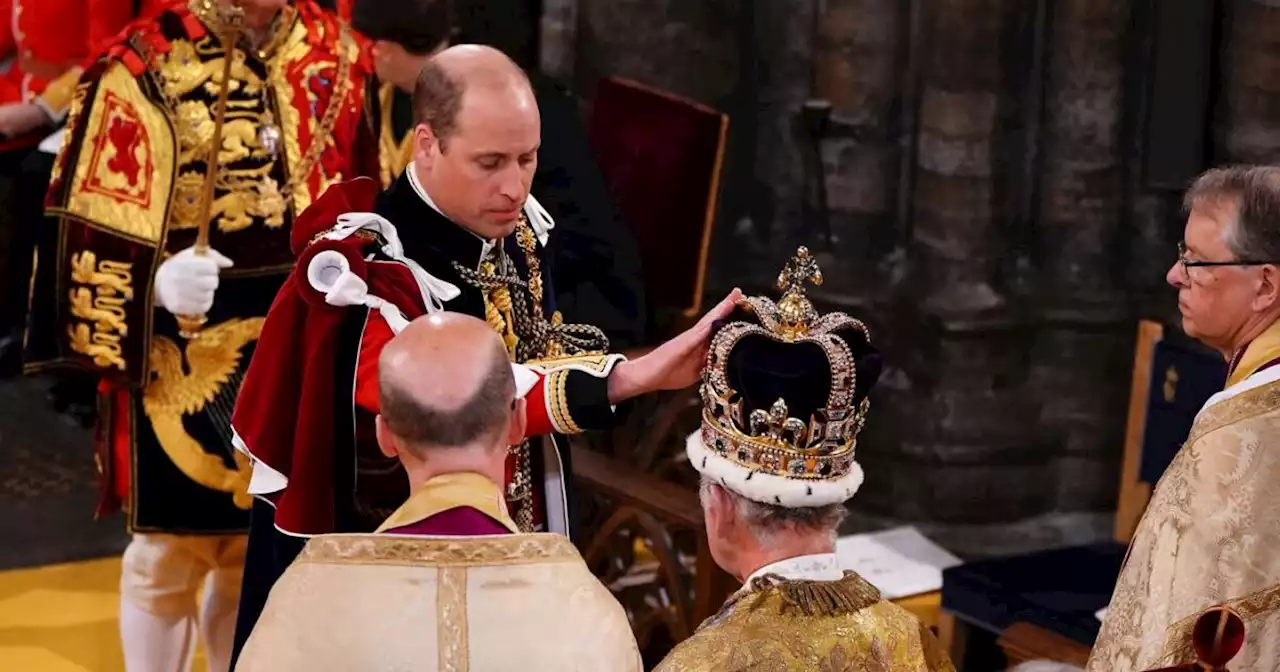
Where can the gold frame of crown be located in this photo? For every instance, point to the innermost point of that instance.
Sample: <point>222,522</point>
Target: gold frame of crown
<point>773,442</point>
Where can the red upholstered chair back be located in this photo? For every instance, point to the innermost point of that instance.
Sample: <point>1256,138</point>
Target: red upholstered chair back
<point>662,156</point>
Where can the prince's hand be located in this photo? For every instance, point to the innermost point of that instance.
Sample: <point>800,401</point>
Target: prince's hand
<point>674,365</point>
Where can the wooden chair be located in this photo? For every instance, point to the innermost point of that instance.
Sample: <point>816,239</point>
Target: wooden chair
<point>662,157</point>
<point>1043,605</point>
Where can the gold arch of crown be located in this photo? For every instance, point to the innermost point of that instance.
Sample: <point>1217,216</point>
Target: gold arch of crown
<point>772,441</point>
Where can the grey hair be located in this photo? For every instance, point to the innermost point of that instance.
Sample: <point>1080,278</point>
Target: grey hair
<point>1254,194</point>
<point>766,520</point>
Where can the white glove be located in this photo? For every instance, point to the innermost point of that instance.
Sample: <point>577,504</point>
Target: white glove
<point>185,282</point>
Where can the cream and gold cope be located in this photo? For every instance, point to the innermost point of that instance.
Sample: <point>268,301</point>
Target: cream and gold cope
<point>1210,536</point>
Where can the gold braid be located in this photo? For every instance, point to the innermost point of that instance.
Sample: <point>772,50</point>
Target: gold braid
<point>535,333</point>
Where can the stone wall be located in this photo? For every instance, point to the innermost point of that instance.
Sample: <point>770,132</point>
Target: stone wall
<point>984,213</point>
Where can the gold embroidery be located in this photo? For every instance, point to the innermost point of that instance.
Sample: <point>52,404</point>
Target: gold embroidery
<point>559,403</point>
<point>762,629</point>
<point>295,49</point>
<point>451,620</point>
<point>124,173</point>
<point>1178,645</point>
<point>174,393</point>
<point>596,364</point>
<point>99,296</point>
<point>393,153</point>
<point>377,549</point>
<point>529,244</point>
<point>1209,535</point>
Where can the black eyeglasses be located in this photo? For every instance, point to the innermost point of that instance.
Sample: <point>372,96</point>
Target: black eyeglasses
<point>1187,263</point>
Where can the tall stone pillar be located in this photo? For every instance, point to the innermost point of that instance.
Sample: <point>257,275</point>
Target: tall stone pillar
<point>945,451</point>
<point>859,69</point>
<point>784,42</point>
<point>558,39</point>
<point>1082,357</point>
<point>1249,127</point>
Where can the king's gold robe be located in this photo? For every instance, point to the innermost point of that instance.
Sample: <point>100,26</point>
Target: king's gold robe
<point>779,624</point>
<point>1211,533</point>
<point>451,603</point>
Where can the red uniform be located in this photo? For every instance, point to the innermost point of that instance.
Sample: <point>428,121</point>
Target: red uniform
<point>49,41</point>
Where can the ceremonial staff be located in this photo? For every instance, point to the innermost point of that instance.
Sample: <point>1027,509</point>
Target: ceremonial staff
<point>231,18</point>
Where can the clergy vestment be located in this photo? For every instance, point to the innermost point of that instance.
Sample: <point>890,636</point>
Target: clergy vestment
<point>770,624</point>
<point>402,600</point>
<point>1211,533</point>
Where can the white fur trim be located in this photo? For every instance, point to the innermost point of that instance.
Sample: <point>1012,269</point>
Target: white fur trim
<point>768,488</point>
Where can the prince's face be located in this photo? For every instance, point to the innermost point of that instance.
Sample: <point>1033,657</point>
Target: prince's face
<point>480,174</point>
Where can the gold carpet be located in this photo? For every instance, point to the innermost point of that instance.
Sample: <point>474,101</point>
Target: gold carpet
<point>63,618</point>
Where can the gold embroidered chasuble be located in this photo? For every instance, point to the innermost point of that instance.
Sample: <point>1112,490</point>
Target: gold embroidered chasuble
<point>458,603</point>
<point>776,624</point>
<point>1210,535</point>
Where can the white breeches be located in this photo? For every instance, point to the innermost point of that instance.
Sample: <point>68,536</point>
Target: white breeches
<point>160,604</point>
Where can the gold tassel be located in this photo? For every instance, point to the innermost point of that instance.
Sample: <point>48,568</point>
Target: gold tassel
<point>821,598</point>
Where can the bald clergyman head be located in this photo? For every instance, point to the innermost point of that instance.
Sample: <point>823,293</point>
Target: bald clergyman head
<point>448,398</point>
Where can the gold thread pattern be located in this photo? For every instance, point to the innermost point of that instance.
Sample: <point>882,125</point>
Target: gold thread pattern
<point>558,400</point>
<point>1209,535</point>
<point>779,624</point>
<point>451,620</point>
<point>376,549</point>
<point>176,391</point>
<point>100,291</point>
<point>124,173</point>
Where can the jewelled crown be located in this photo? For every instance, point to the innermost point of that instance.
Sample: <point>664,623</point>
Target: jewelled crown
<point>784,394</point>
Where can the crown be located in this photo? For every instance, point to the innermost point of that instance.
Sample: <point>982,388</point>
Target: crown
<point>780,388</point>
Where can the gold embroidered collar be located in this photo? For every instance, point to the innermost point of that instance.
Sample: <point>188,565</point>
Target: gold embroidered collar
<point>451,491</point>
<point>1263,349</point>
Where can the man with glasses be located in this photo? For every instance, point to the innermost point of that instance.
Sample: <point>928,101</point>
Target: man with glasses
<point>1211,534</point>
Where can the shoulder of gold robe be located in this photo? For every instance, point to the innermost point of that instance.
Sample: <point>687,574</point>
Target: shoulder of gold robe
<point>757,634</point>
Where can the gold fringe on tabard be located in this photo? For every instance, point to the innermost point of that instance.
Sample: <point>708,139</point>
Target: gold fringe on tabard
<point>820,598</point>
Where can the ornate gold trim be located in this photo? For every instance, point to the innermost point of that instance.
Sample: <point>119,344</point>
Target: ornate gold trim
<point>1243,406</point>
<point>558,403</point>
<point>596,364</point>
<point>1178,646</point>
<point>124,174</point>
<point>451,620</point>
<point>376,549</point>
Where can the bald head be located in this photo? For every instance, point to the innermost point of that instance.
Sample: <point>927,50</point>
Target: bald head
<point>456,75</point>
<point>445,381</point>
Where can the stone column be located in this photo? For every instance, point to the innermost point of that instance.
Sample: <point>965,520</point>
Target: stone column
<point>1249,127</point>
<point>686,48</point>
<point>1082,357</point>
<point>784,42</point>
<point>558,43</point>
<point>946,450</point>
<point>859,69</point>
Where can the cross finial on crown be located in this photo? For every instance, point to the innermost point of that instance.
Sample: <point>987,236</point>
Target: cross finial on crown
<point>800,269</point>
<point>795,312</point>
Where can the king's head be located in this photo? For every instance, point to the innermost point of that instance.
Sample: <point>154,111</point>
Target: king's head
<point>785,394</point>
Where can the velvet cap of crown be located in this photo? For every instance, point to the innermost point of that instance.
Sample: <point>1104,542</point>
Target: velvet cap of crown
<point>784,396</point>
